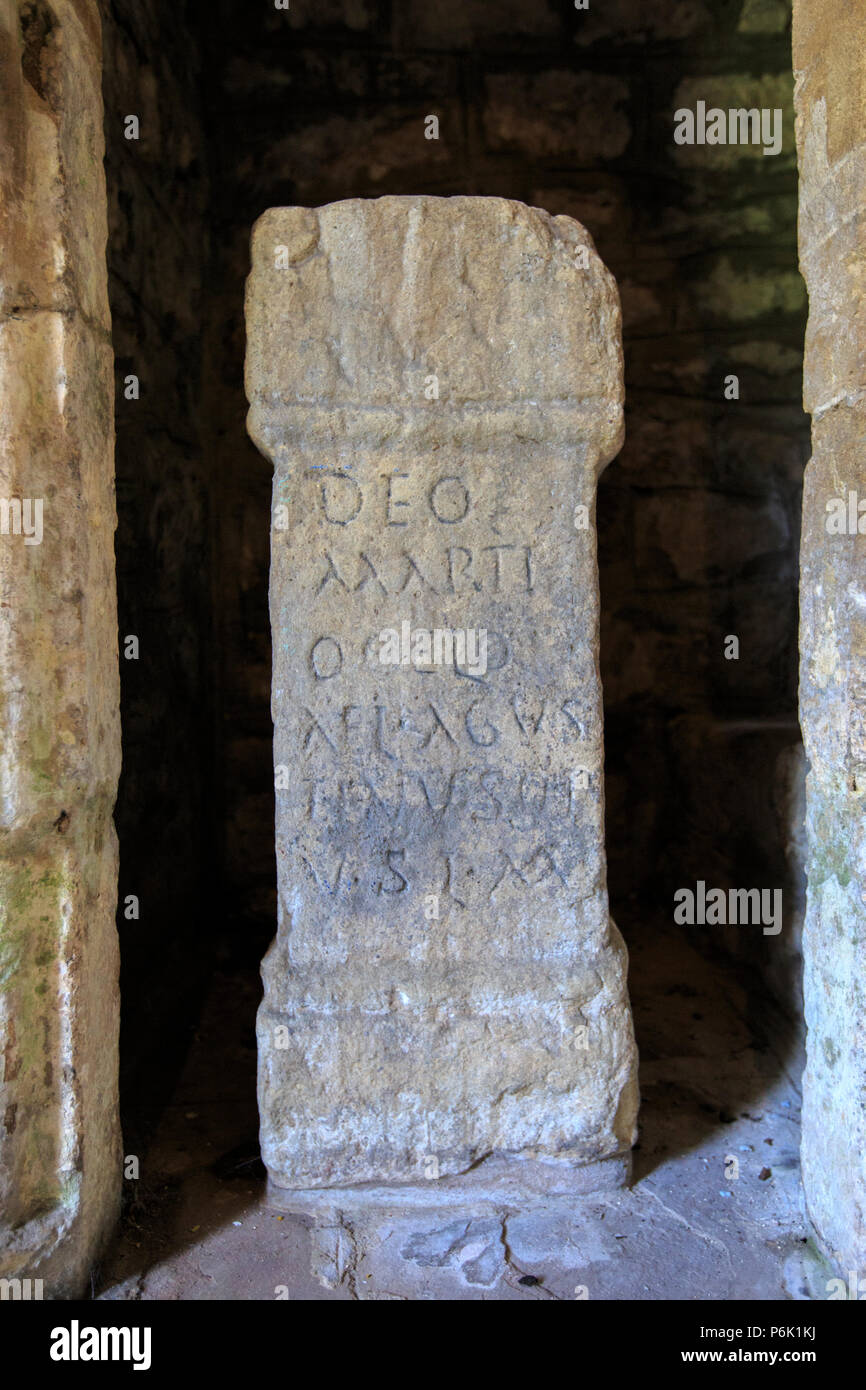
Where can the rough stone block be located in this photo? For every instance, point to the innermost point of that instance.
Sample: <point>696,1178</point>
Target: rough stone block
<point>60,1169</point>
<point>439,384</point>
<point>830,72</point>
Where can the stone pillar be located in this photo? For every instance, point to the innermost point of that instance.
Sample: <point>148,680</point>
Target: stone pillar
<point>830,72</point>
<point>60,1168</point>
<point>439,384</point>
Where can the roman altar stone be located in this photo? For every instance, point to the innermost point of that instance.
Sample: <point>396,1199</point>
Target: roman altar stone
<point>438,382</point>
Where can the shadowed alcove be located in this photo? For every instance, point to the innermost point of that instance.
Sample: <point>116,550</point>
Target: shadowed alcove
<point>241,109</point>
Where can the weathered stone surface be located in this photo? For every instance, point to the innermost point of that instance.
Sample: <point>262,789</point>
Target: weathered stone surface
<point>445,999</point>
<point>60,1166</point>
<point>830,70</point>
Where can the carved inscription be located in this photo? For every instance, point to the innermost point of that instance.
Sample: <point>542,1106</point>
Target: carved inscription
<point>390,768</point>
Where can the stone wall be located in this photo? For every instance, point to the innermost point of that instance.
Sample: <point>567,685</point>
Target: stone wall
<point>157,249</point>
<point>698,517</point>
<point>60,1169</point>
<point>830,69</point>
